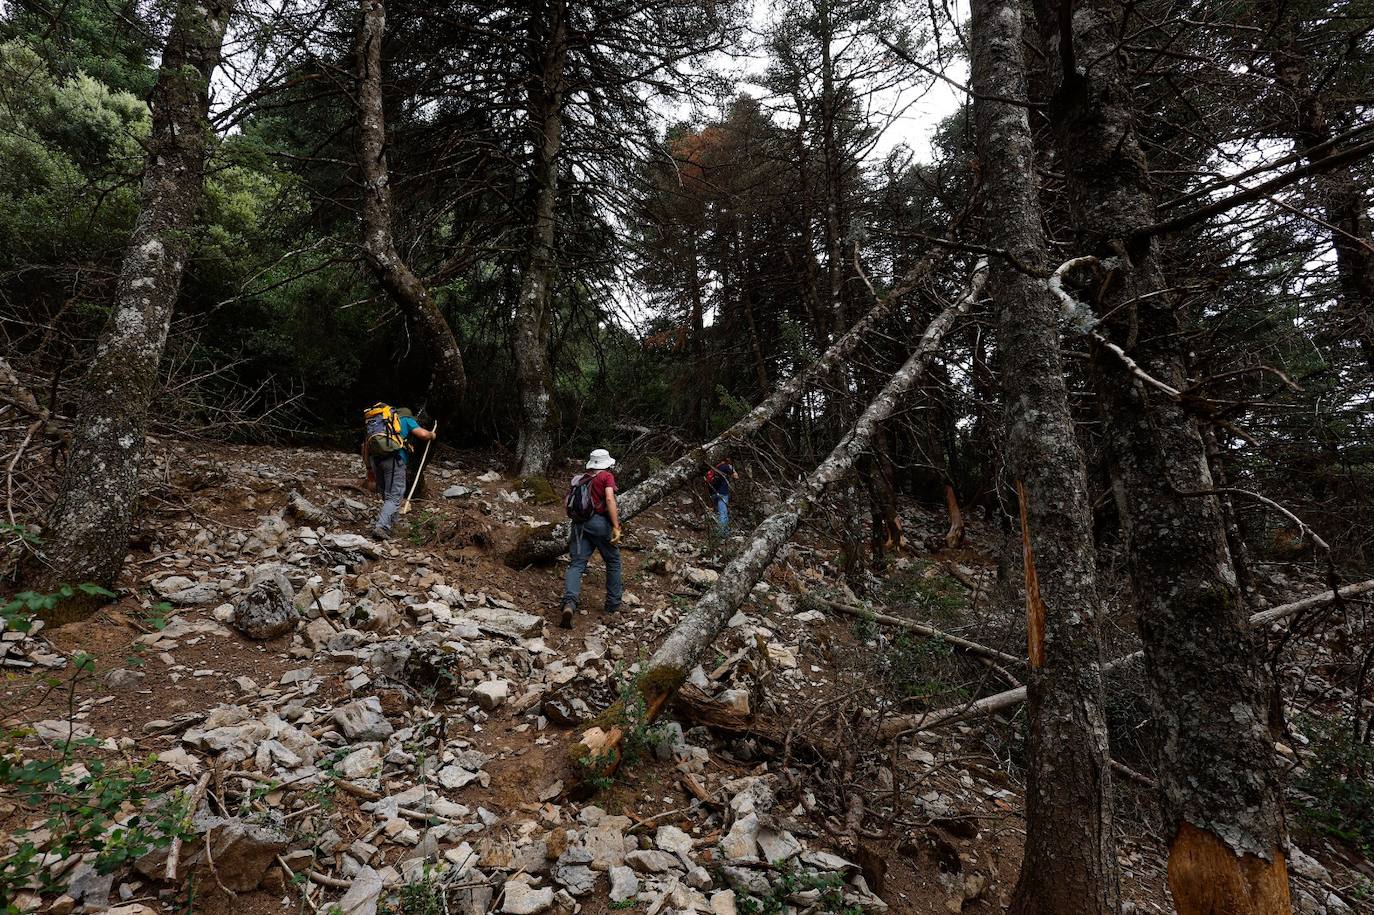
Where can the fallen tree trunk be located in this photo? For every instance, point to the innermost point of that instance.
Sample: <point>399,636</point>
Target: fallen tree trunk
<point>990,705</point>
<point>547,543</point>
<point>598,750</point>
<point>963,644</point>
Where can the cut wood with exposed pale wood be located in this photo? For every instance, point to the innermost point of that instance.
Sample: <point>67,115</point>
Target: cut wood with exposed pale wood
<point>447,379</point>
<point>546,544</point>
<point>598,751</point>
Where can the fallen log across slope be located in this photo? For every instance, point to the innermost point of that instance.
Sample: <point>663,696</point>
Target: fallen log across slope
<point>682,650</point>
<point>989,705</point>
<point>547,543</point>
<point>930,632</point>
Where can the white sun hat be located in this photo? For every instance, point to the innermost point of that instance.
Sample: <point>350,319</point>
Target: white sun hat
<point>600,460</point>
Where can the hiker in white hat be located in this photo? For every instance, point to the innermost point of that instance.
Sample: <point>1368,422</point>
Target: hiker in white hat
<point>595,527</point>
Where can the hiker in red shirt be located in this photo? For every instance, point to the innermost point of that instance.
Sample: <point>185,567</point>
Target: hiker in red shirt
<point>595,527</point>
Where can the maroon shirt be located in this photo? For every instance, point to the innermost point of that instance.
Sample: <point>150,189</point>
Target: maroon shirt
<point>603,481</point>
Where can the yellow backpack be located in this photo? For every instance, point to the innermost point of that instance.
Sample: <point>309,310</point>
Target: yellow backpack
<point>383,425</point>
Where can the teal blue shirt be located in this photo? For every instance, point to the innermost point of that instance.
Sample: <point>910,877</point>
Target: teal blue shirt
<point>408,425</point>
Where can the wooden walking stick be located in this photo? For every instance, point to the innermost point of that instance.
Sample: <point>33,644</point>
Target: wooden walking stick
<point>405,506</point>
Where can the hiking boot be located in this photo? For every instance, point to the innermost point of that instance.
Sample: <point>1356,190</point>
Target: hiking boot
<point>615,609</point>
<point>565,620</point>
<point>381,533</point>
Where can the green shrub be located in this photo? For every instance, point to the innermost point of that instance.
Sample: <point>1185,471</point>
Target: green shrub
<point>84,799</point>
<point>1338,785</point>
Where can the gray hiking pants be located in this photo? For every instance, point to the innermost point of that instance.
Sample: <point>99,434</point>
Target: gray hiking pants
<point>391,483</point>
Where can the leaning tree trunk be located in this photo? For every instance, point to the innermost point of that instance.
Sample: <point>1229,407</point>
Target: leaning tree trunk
<point>87,530</point>
<point>1208,683</point>
<point>533,322</point>
<point>546,544</point>
<point>447,379</point>
<point>1069,866</point>
<point>598,750</point>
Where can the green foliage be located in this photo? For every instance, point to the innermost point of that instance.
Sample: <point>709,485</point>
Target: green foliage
<point>86,799</point>
<point>69,156</point>
<point>432,892</point>
<point>936,596</point>
<point>20,611</point>
<point>108,41</point>
<point>422,528</point>
<point>20,532</point>
<point>788,880</point>
<point>729,409</point>
<point>1338,785</point>
<point>630,714</point>
<point>915,667</point>
<point>85,806</point>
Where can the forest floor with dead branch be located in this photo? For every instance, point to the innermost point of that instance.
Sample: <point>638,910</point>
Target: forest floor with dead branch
<point>398,740</point>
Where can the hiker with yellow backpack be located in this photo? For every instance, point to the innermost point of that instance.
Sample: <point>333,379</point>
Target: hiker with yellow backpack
<point>385,448</point>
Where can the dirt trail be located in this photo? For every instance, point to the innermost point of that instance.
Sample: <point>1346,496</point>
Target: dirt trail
<point>474,688</point>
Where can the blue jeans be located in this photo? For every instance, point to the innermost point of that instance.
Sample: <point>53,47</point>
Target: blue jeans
<point>594,535</point>
<point>390,471</point>
<point>723,511</point>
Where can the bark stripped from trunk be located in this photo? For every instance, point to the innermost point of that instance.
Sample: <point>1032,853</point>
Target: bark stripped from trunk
<point>1206,675</point>
<point>533,322</point>
<point>954,537</point>
<point>87,530</point>
<point>1069,864</point>
<point>543,545</point>
<point>1035,604</point>
<point>447,379</point>
<point>684,647</point>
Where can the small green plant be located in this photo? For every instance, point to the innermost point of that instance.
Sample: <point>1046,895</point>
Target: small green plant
<point>638,735</point>
<point>431,892</point>
<point>85,803</point>
<point>919,668</point>
<point>19,531</point>
<point>937,596</point>
<point>1339,785</point>
<point>423,528</point>
<point>789,881</point>
<point>865,628</point>
<point>20,611</point>
<point>86,799</point>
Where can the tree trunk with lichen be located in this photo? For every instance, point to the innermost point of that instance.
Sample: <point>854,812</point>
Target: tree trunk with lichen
<point>87,529</point>
<point>447,379</point>
<point>533,321</point>
<point>691,638</point>
<point>1069,866</point>
<point>544,545</point>
<point>1222,800</point>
